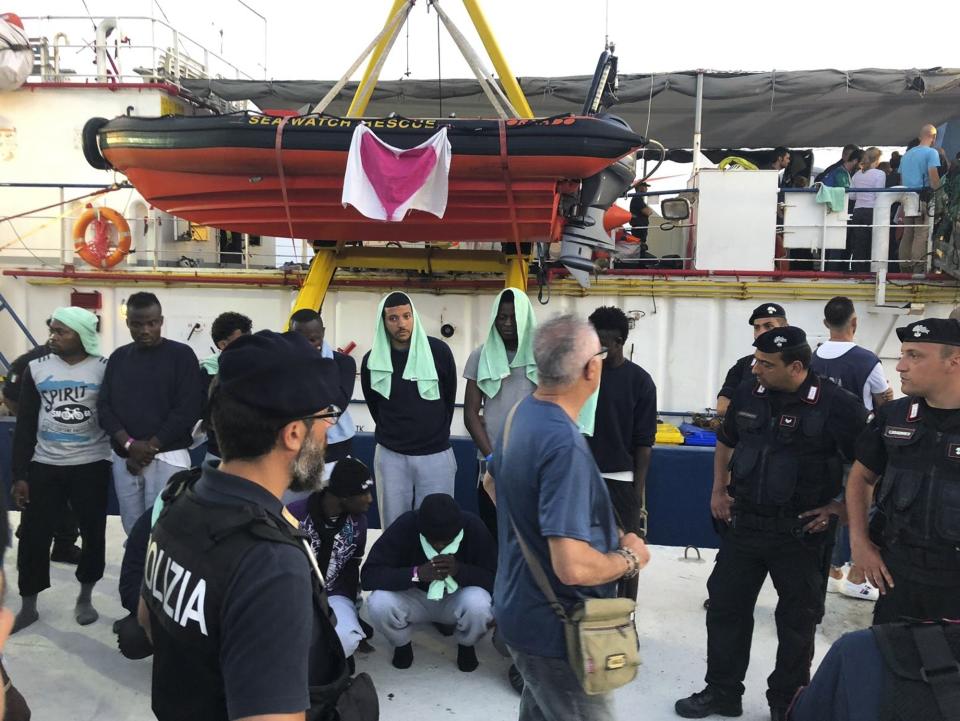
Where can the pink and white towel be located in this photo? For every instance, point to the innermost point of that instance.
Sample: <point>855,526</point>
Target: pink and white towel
<point>383,182</point>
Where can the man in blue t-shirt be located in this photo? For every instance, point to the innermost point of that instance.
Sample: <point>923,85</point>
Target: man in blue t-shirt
<point>549,486</point>
<point>918,169</point>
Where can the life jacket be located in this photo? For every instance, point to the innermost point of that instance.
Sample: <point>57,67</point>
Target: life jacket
<point>919,494</point>
<point>194,552</point>
<point>921,669</point>
<point>788,462</point>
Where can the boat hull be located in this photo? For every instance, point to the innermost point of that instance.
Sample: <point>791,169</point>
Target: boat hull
<point>222,171</point>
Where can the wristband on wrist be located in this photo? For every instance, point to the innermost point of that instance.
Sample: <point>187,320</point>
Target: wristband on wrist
<point>130,442</point>
<point>488,457</point>
<point>633,563</point>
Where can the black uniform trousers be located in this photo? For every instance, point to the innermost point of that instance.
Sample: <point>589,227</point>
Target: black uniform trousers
<point>798,567</point>
<point>51,487</point>
<point>914,599</point>
<point>627,508</point>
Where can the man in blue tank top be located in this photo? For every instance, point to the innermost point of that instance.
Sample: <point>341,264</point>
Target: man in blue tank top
<point>859,371</point>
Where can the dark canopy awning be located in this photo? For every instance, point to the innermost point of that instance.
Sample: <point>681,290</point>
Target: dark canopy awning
<point>809,108</point>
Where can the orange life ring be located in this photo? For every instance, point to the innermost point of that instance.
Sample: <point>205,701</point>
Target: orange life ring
<point>100,255</point>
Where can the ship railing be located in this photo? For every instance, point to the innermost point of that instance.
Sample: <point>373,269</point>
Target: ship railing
<point>40,233</point>
<point>883,246</point>
<point>807,240</point>
<point>126,49</point>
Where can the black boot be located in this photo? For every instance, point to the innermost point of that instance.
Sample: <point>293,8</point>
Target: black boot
<point>403,656</point>
<point>778,713</point>
<point>467,658</point>
<point>709,701</point>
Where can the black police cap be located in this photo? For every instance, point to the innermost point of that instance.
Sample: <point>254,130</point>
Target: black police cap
<point>767,310</point>
<point>780,339</point>
<point>280,374</point>
<point>945,331</point>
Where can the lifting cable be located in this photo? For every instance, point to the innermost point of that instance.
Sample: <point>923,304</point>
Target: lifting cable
<point>439,70</point>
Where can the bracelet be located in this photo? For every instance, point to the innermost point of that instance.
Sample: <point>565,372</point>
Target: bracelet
<point>633,563</point>
<point>130,442</point>
<point>488,457</point>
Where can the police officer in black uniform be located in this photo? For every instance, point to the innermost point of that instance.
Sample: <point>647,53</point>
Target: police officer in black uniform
<point>777,470</point>
<point>764,317</point>
<point>912,550</point>
<point>231,597</point>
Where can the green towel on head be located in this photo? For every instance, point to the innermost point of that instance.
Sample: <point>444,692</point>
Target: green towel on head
<point>493,365</point>
<point>83,323</point>
<point>836,198</point>
<point>448,584</point>
<point>420,365</point>
<point>211,364</point>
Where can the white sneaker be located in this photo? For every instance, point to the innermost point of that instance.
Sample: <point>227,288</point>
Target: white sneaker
<point>864,591</point>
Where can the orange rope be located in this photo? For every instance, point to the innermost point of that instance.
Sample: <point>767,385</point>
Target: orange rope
<point>278,147</point>
<point>511,203</point>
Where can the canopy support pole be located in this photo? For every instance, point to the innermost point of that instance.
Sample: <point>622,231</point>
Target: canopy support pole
<point>697,122</point>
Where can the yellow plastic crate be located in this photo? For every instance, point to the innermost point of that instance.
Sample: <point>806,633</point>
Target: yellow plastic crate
<point>669,433</point>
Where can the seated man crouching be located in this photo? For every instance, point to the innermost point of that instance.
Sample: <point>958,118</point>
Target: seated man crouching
<point>433,565</point>
<point>335,519</point>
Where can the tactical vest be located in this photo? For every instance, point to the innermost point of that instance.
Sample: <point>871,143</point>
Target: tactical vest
<point>193,554</point>
<point>787,461</point>
<point>920,491</point>
<point>921,671</point>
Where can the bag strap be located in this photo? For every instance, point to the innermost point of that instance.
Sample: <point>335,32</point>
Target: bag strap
<point>536,569</point>
<point>939,668</point>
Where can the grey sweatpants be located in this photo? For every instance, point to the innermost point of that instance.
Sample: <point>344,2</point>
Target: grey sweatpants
<point>393,613</point>
<point>135,494</point>
<point>404,481</point>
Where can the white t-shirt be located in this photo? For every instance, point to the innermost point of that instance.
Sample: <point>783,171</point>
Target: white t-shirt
<point>876,381</point>
<point>873,178</point>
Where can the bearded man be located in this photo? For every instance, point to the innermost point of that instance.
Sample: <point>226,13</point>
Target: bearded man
<point>230,598</point>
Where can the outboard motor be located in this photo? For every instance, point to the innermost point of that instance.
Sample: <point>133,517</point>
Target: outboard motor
<point>584,231</point>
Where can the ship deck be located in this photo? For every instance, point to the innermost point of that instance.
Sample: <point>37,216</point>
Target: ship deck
<point>75,673</point>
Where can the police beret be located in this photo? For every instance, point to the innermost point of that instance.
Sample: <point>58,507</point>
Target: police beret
<point>767,310</point>
<point>780,339</point>
<point>280,374</point>
<point>945,331</point>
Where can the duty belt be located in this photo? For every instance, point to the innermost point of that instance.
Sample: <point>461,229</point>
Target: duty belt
<point>771,524</point>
